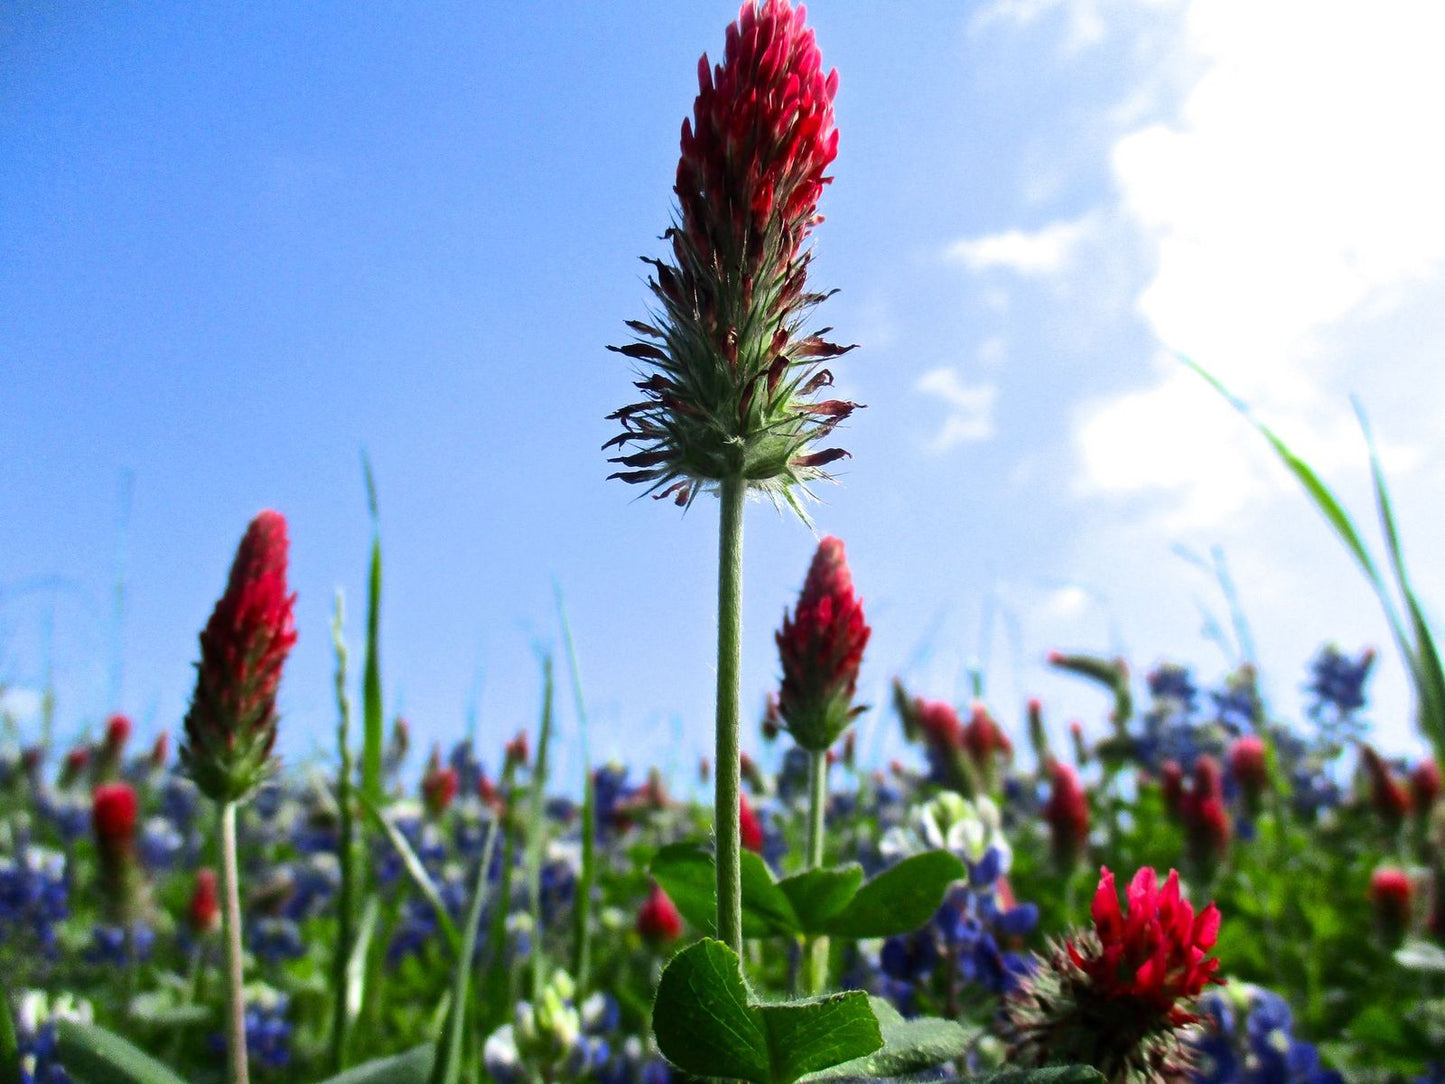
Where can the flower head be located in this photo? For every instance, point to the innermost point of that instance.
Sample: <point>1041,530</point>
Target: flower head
<point>231,725</point>
<point>203,913</point>
<point>658,920</point>
<point>1391,895</point>
<point>730,394</point>
<point>749,827</point>
<point>1118,996</point>
<point>113,816</point>
<point>821,647</point>
<point>1067,815</point>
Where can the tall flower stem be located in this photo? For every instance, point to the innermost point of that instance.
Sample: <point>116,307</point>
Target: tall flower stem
<point>817,954</point>
<point>732,492</point>
<point>231,893</point>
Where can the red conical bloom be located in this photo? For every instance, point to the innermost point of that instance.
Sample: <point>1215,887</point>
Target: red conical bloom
<point>231,726</point>
<point>1391,894</point>
<point>749,827</point>
<point>1171,782</point>
<point>1389,797</point>
<point>731,392</point>
<point>1207,827</point>
<point>439,788</point>
<point>1117,996</point>
<point>203,913</point>
<point>658,920</point>
<point>1249,764</point>
<point>113,817</point>
<point>821,647</point>
<point>1424,786</point>
<point>1067,815</point>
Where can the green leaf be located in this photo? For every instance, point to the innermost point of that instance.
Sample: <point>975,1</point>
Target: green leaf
<point>687,873</point>
<point>9,1044</point>
<point>806,1036</point>
<point>900,899</point>
<point>707,1025</point>
<point>537,826</point>
<point>818,894</point>
<point>413,1067</point>
<point>448,1064</point>
<point>419,876</point>
<point>372,738</point>
<point>93,1055</point>
<point>356,964</point>
<point>702,1019</point>
<point>1050,1074</point>
<point>909,1046</point>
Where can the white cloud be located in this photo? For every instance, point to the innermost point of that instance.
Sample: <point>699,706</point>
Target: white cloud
<point>970,408</point>
<point>18,703</point>
<point>1046,251</point>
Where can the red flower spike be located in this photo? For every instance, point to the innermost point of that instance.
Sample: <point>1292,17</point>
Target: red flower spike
<point>1207,828</point>
<point>749,827</point>
<point>230,730</point>
<point>1389,797</point>
<point>1118,996</point>
<point>821,648</point>
<point>1067,815</point>
<point>113,815</point>
<point>1424,786</point>
<point>1391,895</point>
<point>732,370</point>
<point>203,913</point>
<point>1249,764</point>
<point>161,750</point>
<point>658,920</point>
<point>439,788</point>
<point>117,731</point>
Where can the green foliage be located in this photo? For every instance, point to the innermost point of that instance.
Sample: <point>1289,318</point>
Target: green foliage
<point>708,1024</point>
<point>93,1055</point>
<point>413,1067</point>
<point>909,1046</point>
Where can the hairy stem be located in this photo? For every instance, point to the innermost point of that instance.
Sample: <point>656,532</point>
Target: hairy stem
<point>231,891</point>
<point>817,969</point>
<point>729,661</point>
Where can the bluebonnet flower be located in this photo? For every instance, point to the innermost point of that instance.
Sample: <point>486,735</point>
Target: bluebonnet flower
<point>1247,1040</point>
<point>792,778</point>
<point>631,1063</point>
<point>1170,681</point>
<point>610,792</point>
<point>117,946</point>
<point>268,800</point>
<point>34,896</point>
<point>268,1032</point>
<point>160,843</point>
<point>275,939</point>
<point>36,1038</point>
<point>67,810</point>
<point>315,881</point>
<point>1337,686</point>
<point>180,799</point>
<point>464,762</point>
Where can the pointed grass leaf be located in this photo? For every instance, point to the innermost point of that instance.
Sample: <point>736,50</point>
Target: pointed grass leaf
<point>817,895</point>
<point>687,873</point>
<point>447,1067</point>
<point>806,1036</point>
<point>413,1067</point>
<point>582,907</point>
<point>909,1046</point>
<point>93,1055</point>
<point>702,1019</point>
<point>707,1024</point>
<point>9,1044</point>
<point>899,899</point>
<point>356,964</point>
<point>372,737</point>
<point>418,874</point>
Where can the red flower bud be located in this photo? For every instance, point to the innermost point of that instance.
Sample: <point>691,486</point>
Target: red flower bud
<point>821,648</point>
<point>1391,893</point>
<point>1425,786</point>
<point>1207,828</point>
<point>1389,797</point>
<point>1067,815</point>
<point>519,749</point>
<point>231,726</point>
<point>113,815</point>
<point>117,731</point>
<point>438,788</point>
<point>749,827</point>
<point>1249,764</point>
<point>984,739</point>
<point>161,749</point>
<point>1171,781</point>
<point>203,913</point>
<point>658,920</point>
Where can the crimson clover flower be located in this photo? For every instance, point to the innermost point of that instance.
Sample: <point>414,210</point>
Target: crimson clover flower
<point>732,372</point>
<point>658,920</point>
<point>1067,815</point>
<point>1119,996</point>
<point>821,647</point>
<point>114,812</point>
<point>230,729</point>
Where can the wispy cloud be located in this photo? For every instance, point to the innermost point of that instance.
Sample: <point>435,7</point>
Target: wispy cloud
<point>1041,252</point>
<point>970,408</point>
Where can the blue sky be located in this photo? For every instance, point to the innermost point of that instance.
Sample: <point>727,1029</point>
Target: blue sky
<point>242,245</point>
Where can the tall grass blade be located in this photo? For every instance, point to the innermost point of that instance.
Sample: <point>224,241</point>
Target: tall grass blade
<point>448,1066</point>
<point>1424,659</point>
<point>373,739</point>
<point>1324,499</point>
<point>537,829</point>
<point>346,846</point>
<point>418,874</point>
<point>355,973</point>
<point>582,909</point>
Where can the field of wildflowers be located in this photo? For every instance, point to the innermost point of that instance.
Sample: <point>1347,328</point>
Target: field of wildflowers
<point>1208,893</point>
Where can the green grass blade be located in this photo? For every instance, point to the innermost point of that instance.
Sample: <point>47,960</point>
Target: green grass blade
<point>418,874</point>
<point>582,908</point>
<point>373,738</point>
<point>448,1066</point>
<point>537,829</point>
<point>1423,658</point>
<point>9,1044</point>
<point>354,976</point>
<point>1323,497</point>
<point>346,896</point>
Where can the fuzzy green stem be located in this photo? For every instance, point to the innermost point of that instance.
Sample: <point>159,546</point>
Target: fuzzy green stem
<point>231,891</point>
<point>346,847</point>
<point>729,724</point>
<point>817,951</point>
